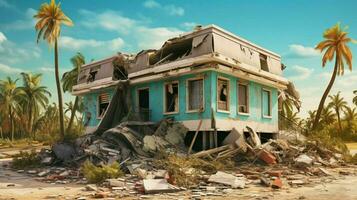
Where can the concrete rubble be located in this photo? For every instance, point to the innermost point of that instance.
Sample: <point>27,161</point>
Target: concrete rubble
<point>274,164</point>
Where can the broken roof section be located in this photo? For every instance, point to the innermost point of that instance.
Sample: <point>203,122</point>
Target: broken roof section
<point>209,44</point>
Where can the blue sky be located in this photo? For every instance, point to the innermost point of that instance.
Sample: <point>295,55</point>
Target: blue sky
<point>104,27</point>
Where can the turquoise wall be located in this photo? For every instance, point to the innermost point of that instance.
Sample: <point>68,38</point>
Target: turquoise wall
<point>90,101</point>
<point>255,100</point>
<point>156,92</point>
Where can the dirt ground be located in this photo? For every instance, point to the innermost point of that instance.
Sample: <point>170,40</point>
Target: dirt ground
<point>20,186</point>
<point>15,185</point>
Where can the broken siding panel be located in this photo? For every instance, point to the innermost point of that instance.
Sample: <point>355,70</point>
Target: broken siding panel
<point>202,45</point>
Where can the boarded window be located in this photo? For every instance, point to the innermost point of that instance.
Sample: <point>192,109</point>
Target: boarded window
<point>266,103</point>
<point>195,94</point>
<point>243,101</point>
<point>263,62</point>
<point>223,94</point>
<point>103,103</point>
<point>171,97</point>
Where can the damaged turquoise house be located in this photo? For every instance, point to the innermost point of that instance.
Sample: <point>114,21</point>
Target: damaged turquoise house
<point>209,79</point>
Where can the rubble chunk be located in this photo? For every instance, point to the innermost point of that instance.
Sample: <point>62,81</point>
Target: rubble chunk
<point>158,185</point>
<point>277,184</point>
<point>303,160</point>
<point>227,179</point>
<point>267,157</point>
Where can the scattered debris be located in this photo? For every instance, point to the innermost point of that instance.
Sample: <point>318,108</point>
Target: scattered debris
<point>227,179</point>
<point>158,185</point>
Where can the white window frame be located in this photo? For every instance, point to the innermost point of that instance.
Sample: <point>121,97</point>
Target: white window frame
<point>246,83</point>
<point>98,104</point>
<point>137,96</point>
<point>228,95</point>
<point>270,104</point>
<point>203,95</point>
<point>165,100</point>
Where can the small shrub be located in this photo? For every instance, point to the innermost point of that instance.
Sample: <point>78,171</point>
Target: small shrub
<point>26,160</point>
<point>185,171</point>
<point>99,174</point>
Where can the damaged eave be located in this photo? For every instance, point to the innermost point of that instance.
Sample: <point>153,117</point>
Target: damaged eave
<point>98,84</point>
<point>212,58</point>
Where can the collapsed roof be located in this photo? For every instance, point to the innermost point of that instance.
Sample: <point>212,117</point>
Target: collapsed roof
<point>210,44</point>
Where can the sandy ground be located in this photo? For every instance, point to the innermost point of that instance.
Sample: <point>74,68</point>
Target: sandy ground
<point>25,187</point>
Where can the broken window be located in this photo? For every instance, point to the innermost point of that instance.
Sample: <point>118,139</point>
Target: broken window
<point>223,94</point>
<point>263,62</point>
<point>92,73</point>
<point>195,94</point>
<point>243,98</point>
<point>103,103</point>
<point>144,103</point>
<point>171,97</point>
<point>266,103</point>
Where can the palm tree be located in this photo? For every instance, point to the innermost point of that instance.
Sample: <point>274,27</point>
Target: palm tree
<point>49,20</point>
<point>33,97</point>
<point>338,104</point>
<point>9,100</point>
<point>350,115</point>
<point>335,44</point>
<point>354,100</point>
<point>327,116</point>
<point>69,79</point>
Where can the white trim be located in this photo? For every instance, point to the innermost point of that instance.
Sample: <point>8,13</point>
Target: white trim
<point>165,100</point>
<point>203,94</point>
<point>228,95</point>
<point>213,58</point>
<point>270,104</point>
<point>229,123</point>
<point>246,83</point>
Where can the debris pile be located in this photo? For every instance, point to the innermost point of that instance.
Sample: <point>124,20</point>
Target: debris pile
<point>158,162</point>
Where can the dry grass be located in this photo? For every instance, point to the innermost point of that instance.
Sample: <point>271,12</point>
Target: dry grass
<point>187,171</point>
<point>95,174</point>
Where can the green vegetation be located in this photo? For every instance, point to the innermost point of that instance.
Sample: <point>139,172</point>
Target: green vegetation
<point>335,45</point>
<point>184,171</point>
<point>49,20</point>
<point>95,174</point>
<point>26,160</point>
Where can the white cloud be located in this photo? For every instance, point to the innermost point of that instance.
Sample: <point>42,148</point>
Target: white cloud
<point>2,37</point>
<point>5,4</point>
<point>27,23</point>
<point>15,53</point>
<point>189,25</point>
<point>80,44</point>
<point>169,9</point>
<point>47,69</point>
<point>151,4</point>
<point>300,51</point>
<point>144,36</point>
<point>9,70</point>
<point>300,72</point>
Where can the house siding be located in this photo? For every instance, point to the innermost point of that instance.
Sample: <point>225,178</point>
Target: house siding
<point>90,101</point>
<point>156,100</point>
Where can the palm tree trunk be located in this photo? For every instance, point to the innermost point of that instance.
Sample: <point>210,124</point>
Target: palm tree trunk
<point>11,124</point>
<point>59,92</point>
<point>339,121</point>
<point>29,126</point>
<point>73,114</point>
<point>327,91</point>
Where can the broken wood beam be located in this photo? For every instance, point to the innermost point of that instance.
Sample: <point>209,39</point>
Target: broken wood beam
<point>211,151</point>
<point>194,137</point>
